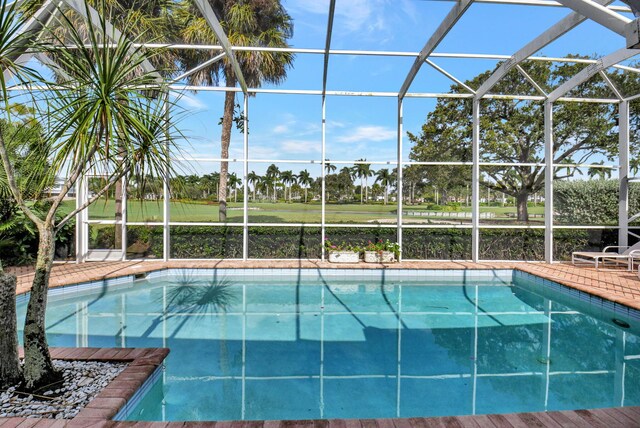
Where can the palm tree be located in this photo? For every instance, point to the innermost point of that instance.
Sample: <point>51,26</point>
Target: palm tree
<point>305,180</point>
<point>265,184</point>
<point>347,173</point>
<point>600,173</point>
<point>273,174</point>
<point>330,167</point>
<point>363,171</point>
<point>385,179</point>
<point>253,178</point>
<point>234,182</point>
<point>288,179</point>
<point>105,98</point>
<point>246,23</point>
<point>208,182</point>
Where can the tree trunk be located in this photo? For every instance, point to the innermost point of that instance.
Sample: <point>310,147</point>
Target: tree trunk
<point>305,195</point>
<point>521,203</point>
<point>386,195</point>
<point>118,215</point>
<point>38,368</point>
<point>366,190</point>
<point>225,140</point>
<point>10,373</point>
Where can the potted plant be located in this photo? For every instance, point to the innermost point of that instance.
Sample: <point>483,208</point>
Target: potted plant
<point>381,251</point>
<point>343,252</point>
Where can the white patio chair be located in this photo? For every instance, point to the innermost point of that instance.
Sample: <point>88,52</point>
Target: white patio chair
<point>597,258</point>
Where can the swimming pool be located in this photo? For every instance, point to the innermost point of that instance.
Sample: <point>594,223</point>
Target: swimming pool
<point>307,344</point>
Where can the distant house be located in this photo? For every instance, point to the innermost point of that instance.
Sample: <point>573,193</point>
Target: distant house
<point>57,188</point>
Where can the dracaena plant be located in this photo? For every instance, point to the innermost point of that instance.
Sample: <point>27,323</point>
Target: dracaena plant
<point>105,112</point>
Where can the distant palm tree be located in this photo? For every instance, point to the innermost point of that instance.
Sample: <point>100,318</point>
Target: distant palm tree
<point>330,167</point>
<point>252,179</point>
<point>385,178</point>
<point>600,173</point>
<point>305,180</point>
<point>273,174</point>
<point>234,182</point>
<point>363,171</point>
<point>265,184</point>
<point>208,182</point>
<point>246,23</point>
<point>288,179</point>
<point>348,174</point>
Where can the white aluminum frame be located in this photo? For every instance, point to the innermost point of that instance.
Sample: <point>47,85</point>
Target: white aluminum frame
<point>599,11</point>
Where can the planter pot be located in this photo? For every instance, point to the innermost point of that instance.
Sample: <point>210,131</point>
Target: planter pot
<point>344,256</point>
<point>379,257</point>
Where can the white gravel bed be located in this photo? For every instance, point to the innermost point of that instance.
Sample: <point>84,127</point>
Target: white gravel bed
<point>83,380</point>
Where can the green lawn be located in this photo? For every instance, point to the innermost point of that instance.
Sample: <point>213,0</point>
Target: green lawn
<point>285,213</point>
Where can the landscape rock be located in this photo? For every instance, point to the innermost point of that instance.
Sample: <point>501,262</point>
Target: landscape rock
<point>83,380</point>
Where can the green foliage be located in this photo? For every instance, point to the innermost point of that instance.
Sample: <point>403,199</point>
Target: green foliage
<point>511,131</point>
<point>438,244</point>
<point>380,245</point>
<point>591,201</point>
<point>19,236</point>
<point>342,246</point>
<point>23,138</point>
<point>205,242</point>
<point>285,242</point>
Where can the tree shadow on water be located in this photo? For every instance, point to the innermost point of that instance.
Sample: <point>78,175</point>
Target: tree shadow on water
<point>192,297</point>
<point>188,298</point>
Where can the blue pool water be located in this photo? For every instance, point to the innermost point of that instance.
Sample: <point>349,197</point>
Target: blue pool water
<point>296,347</point>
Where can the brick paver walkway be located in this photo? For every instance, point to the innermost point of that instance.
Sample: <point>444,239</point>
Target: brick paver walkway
<point>613,284</point>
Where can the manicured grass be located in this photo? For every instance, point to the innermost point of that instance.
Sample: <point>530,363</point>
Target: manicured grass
<point>281,212</point>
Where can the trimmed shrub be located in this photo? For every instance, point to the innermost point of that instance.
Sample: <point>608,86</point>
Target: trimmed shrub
<point>593,202</point>
<point>436,244</point>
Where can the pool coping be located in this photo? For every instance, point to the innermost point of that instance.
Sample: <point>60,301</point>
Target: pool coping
<point>618,286</point>
<point>544,274</point>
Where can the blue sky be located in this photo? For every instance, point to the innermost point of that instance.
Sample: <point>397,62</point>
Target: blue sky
<point>288,127</point>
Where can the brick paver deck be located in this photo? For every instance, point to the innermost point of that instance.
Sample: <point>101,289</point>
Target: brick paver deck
<point>616,285</point>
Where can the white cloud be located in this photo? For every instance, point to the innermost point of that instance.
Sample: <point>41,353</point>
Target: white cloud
<point>300,146</point>
<point>365,17</point>
<point>295,128</point>
<point>368,133</point>
<point>192,103</point>
<point>335,124</point>
<point>281,129</point>
<point>356,15</point>
<point>262,152</point>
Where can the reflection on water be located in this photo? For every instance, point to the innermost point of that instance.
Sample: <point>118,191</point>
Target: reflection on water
<point>296,349</point>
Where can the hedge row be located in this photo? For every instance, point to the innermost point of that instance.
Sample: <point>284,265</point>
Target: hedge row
<point>195,242</point>
<point>591,201</point>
